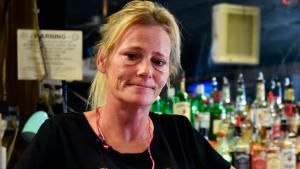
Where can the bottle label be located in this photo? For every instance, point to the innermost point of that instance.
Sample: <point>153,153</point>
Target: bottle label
<point>259,161</point>
<point>241,160</point>
<point>201,120</point>
<point>216,125</point>
<point>289,94</point>
<point>288,158</point>
<point>224,126</point>
<point>273,161</point>
<point>197,121</point>
<point>260,93</point>
<point>205,119</point>
<point>294,123</point>
<point>183,108</point>
<point>276,130</point>
<point>263,117</point>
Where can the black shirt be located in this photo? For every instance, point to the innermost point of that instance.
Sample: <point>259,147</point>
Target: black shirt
<point>68,141</point>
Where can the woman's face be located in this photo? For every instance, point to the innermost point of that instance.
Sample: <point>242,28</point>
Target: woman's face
<point>138,67</point>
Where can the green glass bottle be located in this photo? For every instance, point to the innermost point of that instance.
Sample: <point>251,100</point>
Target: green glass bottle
<point>201,116</point>
<point>168,102</point>
<point>182,101</point>
<point>157,106</point>
<point>216,109</point>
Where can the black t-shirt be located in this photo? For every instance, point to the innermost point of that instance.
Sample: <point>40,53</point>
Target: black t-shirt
<point>68,141</point>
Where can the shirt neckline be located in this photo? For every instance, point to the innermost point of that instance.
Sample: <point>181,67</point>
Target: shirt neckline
<point>95,139</point>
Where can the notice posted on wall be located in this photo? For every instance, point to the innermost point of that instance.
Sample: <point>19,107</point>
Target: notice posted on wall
<point>62,53</point>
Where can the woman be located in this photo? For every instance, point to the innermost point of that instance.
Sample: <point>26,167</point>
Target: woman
<point>138,54</point>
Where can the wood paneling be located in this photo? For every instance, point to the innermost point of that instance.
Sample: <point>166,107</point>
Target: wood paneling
<point>23,94</point>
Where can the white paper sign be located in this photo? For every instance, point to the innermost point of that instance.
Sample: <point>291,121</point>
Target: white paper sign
<point>63,52</point>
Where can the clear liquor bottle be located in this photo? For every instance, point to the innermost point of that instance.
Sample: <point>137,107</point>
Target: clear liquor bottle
<point>257,152</point>
<point>287,148</point>
<point>240,101</point>
<point>228,117</point>
<point>222,146</point>
<point>273,151</point>
<point>275,126</point>
<point>262,117</point>
<point>278,109</point>
<point>239,149</point>
<point>277,92</point>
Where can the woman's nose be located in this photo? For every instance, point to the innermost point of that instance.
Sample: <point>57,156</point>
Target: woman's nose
<point>145,68</point>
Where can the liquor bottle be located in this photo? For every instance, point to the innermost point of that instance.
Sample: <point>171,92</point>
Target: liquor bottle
<point>273,150</point>
<point>277,92</point>
<point>240,101</point>
<point>257,152</point>
<point>239,149</point>
<point>275,126</point>
<point>247,127</point>
<point>157,106</point>
<point>262,117</point>
<point>228,117</point>
<point>216,109</point>
<point>222,146</point>
<point>289,97</point>
<point>226,100</point>
<point>182,101</point>
<point>226,91</point>
<point>289,94</point>
<point>201,116</point>
<point>169,101</point>
<point>288,148</point>
<point>290,107</point>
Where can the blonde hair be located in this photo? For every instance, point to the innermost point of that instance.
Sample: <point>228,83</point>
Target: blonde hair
<point>134,12</point>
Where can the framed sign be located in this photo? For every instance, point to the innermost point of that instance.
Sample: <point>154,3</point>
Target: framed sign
<point>62,53</point>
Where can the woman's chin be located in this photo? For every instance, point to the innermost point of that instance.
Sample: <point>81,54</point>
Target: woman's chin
<point>140,101</point>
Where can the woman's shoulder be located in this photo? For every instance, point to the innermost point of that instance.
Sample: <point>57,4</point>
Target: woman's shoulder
<point>66,119</point>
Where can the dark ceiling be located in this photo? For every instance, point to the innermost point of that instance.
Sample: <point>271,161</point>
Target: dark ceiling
<point>279,32</point>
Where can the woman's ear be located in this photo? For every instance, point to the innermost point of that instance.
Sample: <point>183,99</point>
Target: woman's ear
<point>101,62</point>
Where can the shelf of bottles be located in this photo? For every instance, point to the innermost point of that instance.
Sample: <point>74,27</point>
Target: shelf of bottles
<point>264,134</point>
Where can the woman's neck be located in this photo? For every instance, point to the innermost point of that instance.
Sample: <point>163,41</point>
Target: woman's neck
<point>125,129</point>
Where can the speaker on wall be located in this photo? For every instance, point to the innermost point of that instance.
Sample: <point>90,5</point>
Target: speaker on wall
<point>235,34</point>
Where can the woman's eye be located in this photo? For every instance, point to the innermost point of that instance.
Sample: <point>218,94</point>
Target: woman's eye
<point>159,62</point>
<point>131,56</point>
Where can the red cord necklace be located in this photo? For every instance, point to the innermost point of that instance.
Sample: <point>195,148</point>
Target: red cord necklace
<point>106,146</point>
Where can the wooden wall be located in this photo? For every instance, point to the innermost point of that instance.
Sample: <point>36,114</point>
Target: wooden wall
<point>15,14</point>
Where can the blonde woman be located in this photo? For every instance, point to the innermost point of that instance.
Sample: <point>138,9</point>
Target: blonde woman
<point>138,54</point>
